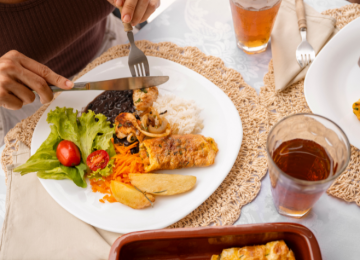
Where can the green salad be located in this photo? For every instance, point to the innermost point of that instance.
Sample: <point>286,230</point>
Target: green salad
<point>89,132</point>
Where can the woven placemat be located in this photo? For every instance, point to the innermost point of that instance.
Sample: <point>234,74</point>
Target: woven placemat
<point>243,182</point>
<point>292,101</point>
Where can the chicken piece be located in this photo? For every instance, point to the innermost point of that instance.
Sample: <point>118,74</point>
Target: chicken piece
<point>125,125</point>
<point>144,98</point>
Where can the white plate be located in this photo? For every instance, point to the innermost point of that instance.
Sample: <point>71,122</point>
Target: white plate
<point>332,83</point>
<point>221,121</point>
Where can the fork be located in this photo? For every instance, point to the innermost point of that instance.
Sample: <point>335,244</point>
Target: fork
<point>305,53</point>
<point>138,63</point>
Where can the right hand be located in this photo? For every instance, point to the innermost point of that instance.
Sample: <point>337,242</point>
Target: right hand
<point>20,76</point>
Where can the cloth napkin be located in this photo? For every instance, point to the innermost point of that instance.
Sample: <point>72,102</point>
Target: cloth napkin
<point>36,227</point>
<point>285,38</point>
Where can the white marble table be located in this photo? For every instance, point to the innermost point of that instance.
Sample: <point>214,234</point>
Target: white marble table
<point>207,24</point>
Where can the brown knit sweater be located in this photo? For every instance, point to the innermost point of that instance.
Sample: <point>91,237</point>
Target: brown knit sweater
<point>63,34</point>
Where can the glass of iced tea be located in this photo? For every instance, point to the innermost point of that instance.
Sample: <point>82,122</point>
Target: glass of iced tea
<point>253,22</point>
<point>306,153</point>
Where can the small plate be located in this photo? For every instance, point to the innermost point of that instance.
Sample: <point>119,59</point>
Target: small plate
<point>332,83</point>
<point>221,121</point>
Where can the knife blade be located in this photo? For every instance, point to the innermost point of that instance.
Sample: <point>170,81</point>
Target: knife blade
<point>130,83</point>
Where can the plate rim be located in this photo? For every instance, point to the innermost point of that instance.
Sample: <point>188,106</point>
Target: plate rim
<point>180,216</point>
<point>345,30</point>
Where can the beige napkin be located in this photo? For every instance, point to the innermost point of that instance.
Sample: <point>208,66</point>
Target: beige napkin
<point>36,227</point>
<point>286,37</point>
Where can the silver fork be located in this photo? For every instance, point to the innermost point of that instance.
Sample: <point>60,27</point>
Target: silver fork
<point>305,53</point>
<point>138,63</point>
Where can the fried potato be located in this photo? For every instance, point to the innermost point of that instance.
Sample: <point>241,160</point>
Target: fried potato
<point>162,184</point>
<point>214,257</point>
<point>129,196</point>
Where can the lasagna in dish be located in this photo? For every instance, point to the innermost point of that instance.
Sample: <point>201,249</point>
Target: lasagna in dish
<point>276,250</point>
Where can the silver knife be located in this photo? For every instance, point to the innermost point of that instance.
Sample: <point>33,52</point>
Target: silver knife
<point>117,84</point>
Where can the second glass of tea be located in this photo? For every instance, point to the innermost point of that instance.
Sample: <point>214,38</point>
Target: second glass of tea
<point>306,153</point>
<point>253,22</point>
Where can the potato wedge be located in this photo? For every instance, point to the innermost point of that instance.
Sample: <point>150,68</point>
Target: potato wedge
<point>162,184</point>
<point>129,196</point>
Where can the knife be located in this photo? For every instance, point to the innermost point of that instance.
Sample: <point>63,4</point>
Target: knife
<point>131,83</point>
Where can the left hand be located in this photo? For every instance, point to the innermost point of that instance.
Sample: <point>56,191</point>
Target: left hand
<point>136,11</point>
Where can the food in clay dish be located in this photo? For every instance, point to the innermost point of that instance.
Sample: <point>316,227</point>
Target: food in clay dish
<point>271,251</point>
<point>108,133</point>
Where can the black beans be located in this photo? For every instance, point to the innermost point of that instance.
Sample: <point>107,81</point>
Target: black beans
<point>134,150</point>
<point>111,103</point>
<point>126,143</point>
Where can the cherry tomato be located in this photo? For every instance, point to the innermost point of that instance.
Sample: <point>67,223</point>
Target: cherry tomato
<point>68,153</point>
<point>97,160</point>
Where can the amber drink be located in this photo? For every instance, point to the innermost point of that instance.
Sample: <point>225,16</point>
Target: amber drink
<point>306,153</point>
<point>253,22</point>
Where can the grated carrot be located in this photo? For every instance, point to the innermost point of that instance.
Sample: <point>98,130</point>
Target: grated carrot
<point>125,163</point>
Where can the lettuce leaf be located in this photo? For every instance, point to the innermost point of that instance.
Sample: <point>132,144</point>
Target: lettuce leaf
<point>76,174</point>
<point>95,132</point>
<point>89,132</point>
<point>66,124</point>
<point>45,157</point>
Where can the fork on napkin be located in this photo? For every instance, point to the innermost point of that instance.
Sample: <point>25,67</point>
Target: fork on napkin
<point>285,38</point>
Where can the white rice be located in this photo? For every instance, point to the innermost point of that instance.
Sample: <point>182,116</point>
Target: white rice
<point>183,115</point>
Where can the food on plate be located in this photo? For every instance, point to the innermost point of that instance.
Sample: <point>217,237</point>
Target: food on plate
<point>111,103</point>
<point>130,196</point>
<point>97,160</point>
<point>183,115</point>
<point>124,163</point>
<point>144,98</point>
<point>116,147</point>
<point>177,151</point>
<point>275,250</point>
<point>162,184</point>
<point>88,132</point>
<point>126,126</point>
<point>151,124</point>
<point>356,109</point>
<point>68,154</point>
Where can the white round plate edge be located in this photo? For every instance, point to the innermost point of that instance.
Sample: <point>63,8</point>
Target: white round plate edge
<point>317,62</point>
<point>236,127</point>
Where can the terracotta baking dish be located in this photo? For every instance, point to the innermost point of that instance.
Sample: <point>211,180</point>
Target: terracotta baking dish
<point>201,243</point>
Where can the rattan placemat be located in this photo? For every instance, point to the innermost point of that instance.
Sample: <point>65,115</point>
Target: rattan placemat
<point>242,184</point>
<point>292,100</point>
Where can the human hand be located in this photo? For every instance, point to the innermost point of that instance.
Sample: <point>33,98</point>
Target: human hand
<point>20,76</point>
<point>136,11</point>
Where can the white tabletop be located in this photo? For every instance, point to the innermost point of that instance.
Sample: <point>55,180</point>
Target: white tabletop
<point>208,26</point>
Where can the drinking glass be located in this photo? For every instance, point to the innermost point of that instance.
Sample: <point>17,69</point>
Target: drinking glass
<point>295,196</point>
<point>253,22</point>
